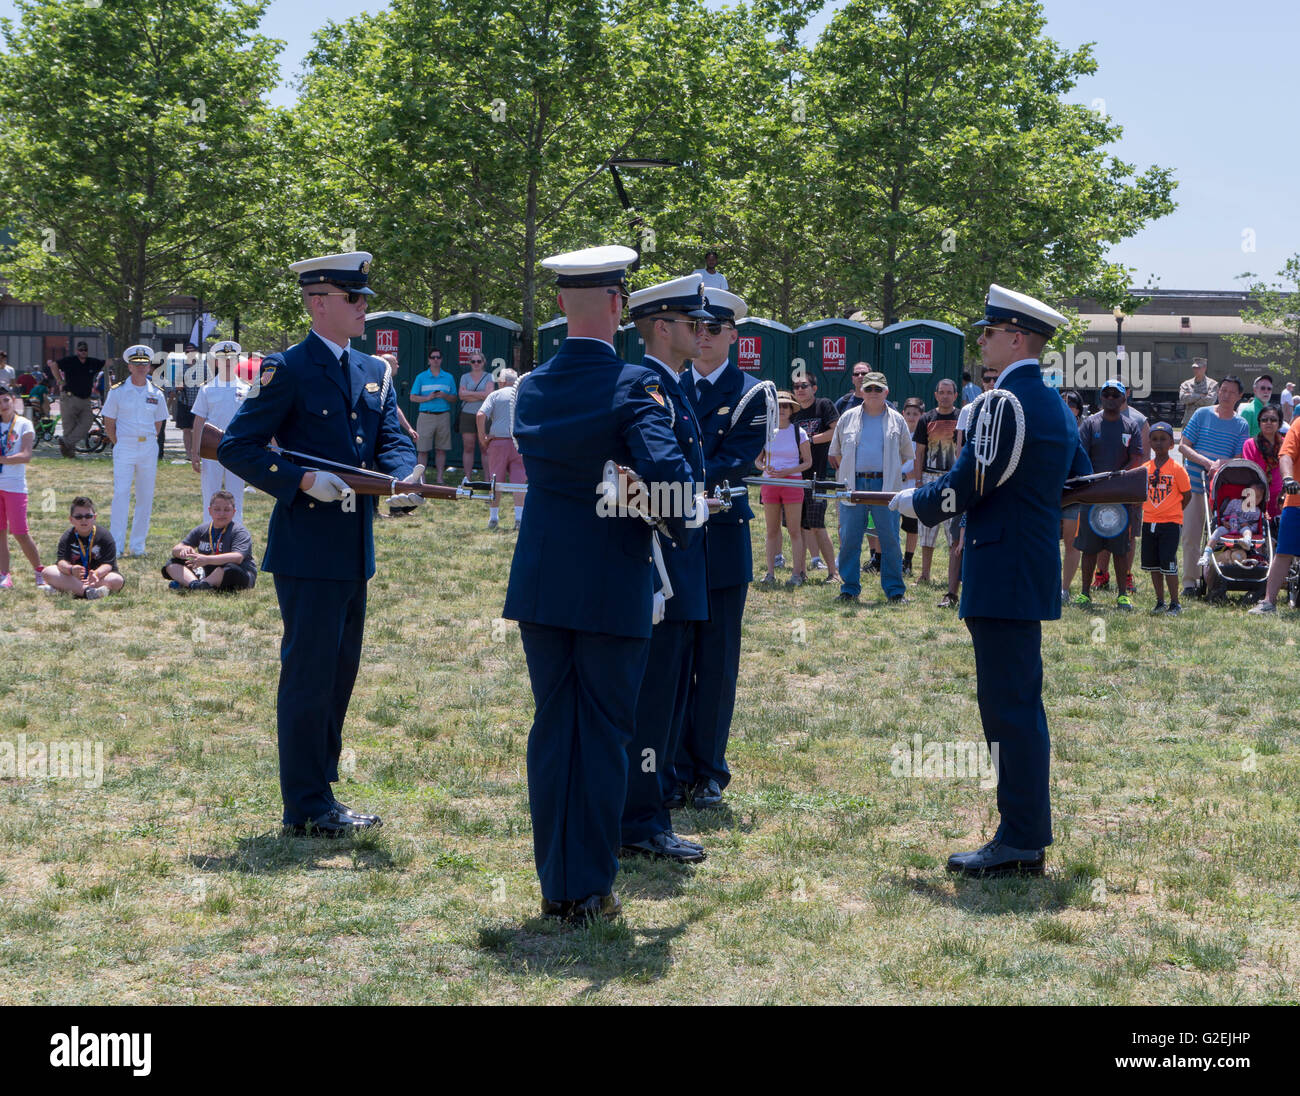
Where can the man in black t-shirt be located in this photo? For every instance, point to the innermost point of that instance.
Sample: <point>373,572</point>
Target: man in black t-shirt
<point>936,452</point>
<point>817,417</point>
<point>75,374</point>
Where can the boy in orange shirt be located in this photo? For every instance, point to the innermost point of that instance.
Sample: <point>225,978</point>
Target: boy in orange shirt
<point>1168,492</point>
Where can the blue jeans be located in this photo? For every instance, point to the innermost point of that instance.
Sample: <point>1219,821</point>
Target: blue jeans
<point>853,527</point>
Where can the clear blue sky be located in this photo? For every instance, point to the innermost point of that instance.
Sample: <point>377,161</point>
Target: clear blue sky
<point>1200,86</point>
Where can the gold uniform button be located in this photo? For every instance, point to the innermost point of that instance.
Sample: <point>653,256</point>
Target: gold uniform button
<point>275,468</point>
<point>359,439</point>
<point>311,506</point>
<point>325,411</point>
<point>354,414</point>
<point>719,433</point>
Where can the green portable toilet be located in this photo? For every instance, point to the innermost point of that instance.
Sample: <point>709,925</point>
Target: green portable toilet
<point>763,349</point>
<point>916,354</point>
<point>828,350</point>
<point>629,344</point>
<point>409,337</point>
<point>549,337</point>
<point>462,333</point>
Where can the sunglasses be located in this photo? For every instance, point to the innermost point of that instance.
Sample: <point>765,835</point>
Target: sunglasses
<point>694,325</point>
<point>804,385</point>
<point>872,388</point>
<point>989,377</point>
<point>83,517</point>
<point>353,298</point>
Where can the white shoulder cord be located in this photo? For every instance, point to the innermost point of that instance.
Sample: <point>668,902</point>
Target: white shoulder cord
<point>986,423</point>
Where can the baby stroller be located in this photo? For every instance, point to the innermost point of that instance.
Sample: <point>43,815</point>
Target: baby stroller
<point>1239,557</point>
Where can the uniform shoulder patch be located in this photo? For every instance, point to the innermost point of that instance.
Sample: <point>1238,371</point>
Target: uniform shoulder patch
<point>655,393</point>
<point>267,374</point>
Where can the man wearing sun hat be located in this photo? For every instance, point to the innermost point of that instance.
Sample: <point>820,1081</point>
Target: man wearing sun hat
<point>585,614</point>
<point>1021,448</point>
<point>322,398</point>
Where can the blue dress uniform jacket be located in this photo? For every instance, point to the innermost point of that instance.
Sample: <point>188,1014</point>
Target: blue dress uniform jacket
<point>581,588</point>
<point>730,450</point>
<point>685,561</point>
<point>1011,582</point>
<point>1011,568</point>
<point>729,454</point>
<point>301,402</point>
<point>321,554</point>
<point>572,567</point>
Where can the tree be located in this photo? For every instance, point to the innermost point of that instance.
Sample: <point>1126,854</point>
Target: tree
<point>1275,306</point>
<point>132,154</point>
<point>953,160</point>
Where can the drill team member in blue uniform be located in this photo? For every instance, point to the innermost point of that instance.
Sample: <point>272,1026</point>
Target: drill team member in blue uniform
<point>732,408</point>
<point>581,583</point>
<point>322,398</point>
<point>664,316</point>
<point>1021,447</point>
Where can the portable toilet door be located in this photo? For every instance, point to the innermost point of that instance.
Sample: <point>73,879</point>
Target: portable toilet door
<point>763,349</point>
<point>629,344</point>
<point>549,337</point>
<point>410,338</point>
<point>462,334</point>
<point>917,354</point>
<point>828,350</point>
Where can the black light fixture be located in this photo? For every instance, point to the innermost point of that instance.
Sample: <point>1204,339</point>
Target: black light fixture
<point>636,220</point>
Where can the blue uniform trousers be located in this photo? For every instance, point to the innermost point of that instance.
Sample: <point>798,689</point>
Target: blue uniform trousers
<point>1009,686</point>
<point>853,527</point>
<point>702,752</point>
<point>319,655</point>
<point>660,711</point>
<point>586,686</point>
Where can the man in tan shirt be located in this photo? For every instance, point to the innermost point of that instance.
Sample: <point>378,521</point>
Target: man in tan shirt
<point>1198,390</point>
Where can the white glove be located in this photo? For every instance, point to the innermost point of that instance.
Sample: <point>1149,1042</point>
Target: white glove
<point>700,514</point>
<point>902,502</point>
<point>327,487</point>
<point>660,605</point>
<point>413,498</point>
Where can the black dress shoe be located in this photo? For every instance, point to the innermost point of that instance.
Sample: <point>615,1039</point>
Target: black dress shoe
<point>343,809</point>
<point>995,858</point>
<point>331,824</point>
<point>706,794</point>
<point>665,846</point>
<point>577,912</point>
<point>682,841</point>
<point>677,797</point>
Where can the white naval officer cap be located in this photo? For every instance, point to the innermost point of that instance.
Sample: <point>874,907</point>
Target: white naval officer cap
<point>139,353</point>
<point>592,267</point>
<point>1020,310</point>
<point>227,346</point>
<point>677,295</point>
<point>350,270</point>
<point>724,305</point>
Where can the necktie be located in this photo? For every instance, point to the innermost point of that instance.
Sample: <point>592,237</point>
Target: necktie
<point>699,390</point>
<point>347,374</point>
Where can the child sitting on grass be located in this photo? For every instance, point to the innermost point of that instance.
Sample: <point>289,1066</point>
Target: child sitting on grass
<point>216,557</point>
<point>87,557</point>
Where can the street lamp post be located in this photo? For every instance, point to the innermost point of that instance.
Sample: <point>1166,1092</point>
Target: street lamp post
<point>1118,313</point>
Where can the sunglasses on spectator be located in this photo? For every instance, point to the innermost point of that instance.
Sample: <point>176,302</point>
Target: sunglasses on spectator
<point>83,517</point>
<point>872,388</point>
<point>353,298</point>
<point>990,377</point>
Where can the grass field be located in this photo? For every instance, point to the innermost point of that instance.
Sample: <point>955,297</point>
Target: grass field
<point>1176,780</point>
